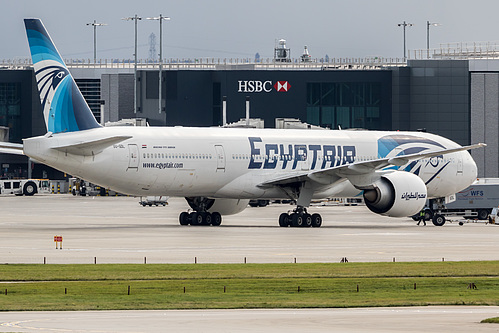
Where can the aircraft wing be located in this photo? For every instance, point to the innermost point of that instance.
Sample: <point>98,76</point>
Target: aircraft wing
<point>331,175</point>
<point>11,148</point>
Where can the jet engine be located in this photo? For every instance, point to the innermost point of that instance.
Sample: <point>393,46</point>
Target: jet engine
<point>396,194</point>
<point>222,206</point>
<point>229,206</point>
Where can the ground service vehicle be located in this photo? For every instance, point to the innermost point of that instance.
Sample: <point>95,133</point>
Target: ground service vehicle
<point>475,201</point>
<point>26,187</point>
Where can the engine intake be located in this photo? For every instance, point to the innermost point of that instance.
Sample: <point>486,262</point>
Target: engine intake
<point>396,194</point>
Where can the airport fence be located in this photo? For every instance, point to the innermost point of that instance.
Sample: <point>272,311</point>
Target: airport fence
<point>57,260</point>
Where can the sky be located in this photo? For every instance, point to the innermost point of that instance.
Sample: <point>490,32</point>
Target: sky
<point>240,29</point>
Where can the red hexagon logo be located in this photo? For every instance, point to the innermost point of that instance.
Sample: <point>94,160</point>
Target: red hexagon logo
<point>282,86</point>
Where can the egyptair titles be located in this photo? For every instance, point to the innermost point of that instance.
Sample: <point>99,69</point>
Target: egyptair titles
<point>322,156</point>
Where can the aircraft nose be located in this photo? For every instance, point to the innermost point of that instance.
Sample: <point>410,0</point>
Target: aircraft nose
<point>470,170</point>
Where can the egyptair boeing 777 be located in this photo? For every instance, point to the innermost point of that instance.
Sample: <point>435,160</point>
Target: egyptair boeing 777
<point>218,170</point>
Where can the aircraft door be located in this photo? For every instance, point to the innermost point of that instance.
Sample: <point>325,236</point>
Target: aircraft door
<point>459,165</point>
<point>220,158</point>
<point>304,159</point>
<point>133,157</point>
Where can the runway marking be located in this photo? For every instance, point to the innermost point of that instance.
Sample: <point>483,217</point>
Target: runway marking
<point>19,325</point>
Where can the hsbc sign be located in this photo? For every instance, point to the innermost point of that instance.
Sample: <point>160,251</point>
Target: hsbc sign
<point>254,86</point>
<point>282,86</point>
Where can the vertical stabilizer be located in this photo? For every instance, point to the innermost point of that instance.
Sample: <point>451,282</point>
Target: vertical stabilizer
<point>64,108</point>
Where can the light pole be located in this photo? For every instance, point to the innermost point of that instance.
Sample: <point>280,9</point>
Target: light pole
<point>95,25</point>
<point>428,24</point>
<point>136,19</point>
<point>160,18</point>
<point>404,24</point>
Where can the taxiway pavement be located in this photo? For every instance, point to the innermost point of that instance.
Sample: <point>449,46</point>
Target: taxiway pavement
<point>119,230</point>
<point>457,319</point>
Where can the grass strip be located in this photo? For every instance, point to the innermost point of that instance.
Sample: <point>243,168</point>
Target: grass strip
<point>79,272</point>
<point>494,320</point>
<point>210,286</point>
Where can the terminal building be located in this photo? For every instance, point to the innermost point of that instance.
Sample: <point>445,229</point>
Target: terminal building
<point>452,94</point>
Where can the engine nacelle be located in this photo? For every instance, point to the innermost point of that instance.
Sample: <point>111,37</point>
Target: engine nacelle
<point>229,206</point>
<point>396,194</point>
<point>222,206</point>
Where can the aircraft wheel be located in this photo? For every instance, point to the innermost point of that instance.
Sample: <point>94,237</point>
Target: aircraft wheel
<point>307,220</point>
<point>284,220</point>
<point>316,220</point>
<point>297,220</point>
<point>196,218</point>
<point>438,220</point>
<point>207,218</point>
<point>184,218</point>
<point>216,219</point>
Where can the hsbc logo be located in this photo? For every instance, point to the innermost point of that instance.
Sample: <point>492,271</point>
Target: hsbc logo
<point>282,86</point>
<point>254,86</point>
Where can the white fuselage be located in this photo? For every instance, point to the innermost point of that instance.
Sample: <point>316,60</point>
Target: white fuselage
<point>231,163</point>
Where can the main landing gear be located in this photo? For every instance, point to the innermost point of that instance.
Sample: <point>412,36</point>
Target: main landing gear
<point>300,218</point>
<point>200,218</point>
<point>200,215</point>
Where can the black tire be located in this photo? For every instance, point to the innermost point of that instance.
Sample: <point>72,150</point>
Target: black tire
<point>196,218</point>
<point>428,215</point>
<point>483,214</point>
<point>216,219</point>
<point>284,220</point>
<point>316,220</point>
<point>438,220</point>
<point>184,218</point>
<point>206,218</point>
<point>263,203</point>
<point>307,220</point>
<point>30,189</point>
<point>297,220</point>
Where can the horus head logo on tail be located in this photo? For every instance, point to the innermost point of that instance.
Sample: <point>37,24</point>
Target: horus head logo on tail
<point>49,77</point>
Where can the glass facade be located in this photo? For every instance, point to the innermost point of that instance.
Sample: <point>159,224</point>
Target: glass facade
<point>90,89</point>
<point>344,104</point>
<point>10,110</point>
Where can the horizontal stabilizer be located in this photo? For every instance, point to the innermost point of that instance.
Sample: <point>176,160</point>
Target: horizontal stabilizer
<point>11,148</point>
<point>89,148</point>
